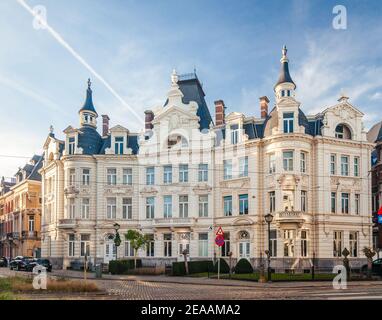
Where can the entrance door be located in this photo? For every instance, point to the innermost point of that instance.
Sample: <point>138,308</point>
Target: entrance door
<point>244,249</point>
<point>110,251</point>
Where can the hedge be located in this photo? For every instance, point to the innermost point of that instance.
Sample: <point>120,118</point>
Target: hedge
<point>178,268</point>
<point>224,267</point>
<point>243,266</point>
<point>123,266</point>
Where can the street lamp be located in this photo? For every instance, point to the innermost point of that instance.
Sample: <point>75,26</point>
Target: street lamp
<point>117,239</point>
<point>268,219</point>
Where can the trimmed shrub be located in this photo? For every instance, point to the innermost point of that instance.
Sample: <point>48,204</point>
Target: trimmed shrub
<point>123,266</point>
<point>179,269</point>
<point>224,267</point>
<point>243,266</point>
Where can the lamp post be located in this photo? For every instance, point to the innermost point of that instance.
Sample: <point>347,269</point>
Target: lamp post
<point>268,219</point>
<point>117,239</point>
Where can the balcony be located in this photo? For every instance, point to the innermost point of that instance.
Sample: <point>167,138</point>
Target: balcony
<point>290,217</point>
<point>29,235</point>
<point>173,222</point>
<point>12,236</point>
<point>67,223</point>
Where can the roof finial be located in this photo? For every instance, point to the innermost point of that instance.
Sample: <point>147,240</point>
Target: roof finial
<point>284,51</point>
<point>174,77</point>
<point>51,129</point>
<point>89,84</point>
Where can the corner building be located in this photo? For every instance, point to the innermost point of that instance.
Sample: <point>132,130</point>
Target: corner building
<point>186,174</point>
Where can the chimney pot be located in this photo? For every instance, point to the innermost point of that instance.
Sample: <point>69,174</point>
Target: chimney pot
<point>264,106</point>
<point>219,112</point>
<point>105,125</point>
<point>149,117</point>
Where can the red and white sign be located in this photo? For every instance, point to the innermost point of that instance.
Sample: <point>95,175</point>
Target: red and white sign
<point>380,211</point>
<point>219,240</point>
<point>220,232</point>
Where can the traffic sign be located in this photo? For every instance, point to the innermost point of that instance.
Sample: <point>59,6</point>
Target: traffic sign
<point>380,211</point>
<point>220,232</point>
<point>380,219</point>
<point>219,240</point>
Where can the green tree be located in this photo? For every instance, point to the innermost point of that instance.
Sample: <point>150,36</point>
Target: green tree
<point>137,241</point>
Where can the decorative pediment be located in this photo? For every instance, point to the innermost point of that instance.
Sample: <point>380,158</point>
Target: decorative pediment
<point>119,128</point>
<point>242,221</point>
<point>344,110</point>
<point>175,114</point>
<point>70,130</point>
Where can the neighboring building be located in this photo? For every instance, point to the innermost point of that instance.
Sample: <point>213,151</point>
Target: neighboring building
<point>20,212</point>
<point>375,135</point>
<point>185,176</point>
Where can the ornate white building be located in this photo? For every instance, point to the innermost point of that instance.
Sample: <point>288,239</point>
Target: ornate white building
<point>185,176</point>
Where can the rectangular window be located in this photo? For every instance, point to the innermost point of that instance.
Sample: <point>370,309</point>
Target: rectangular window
<point>85,207</point>
<point>244,249</point>
<point>127,208</point>
<point>357,203</point>
<point>273,243</point>
<point>344,165</point>
<point>243,204</point>
<point>111,208</point>
<point>183,206</point>
<point>183,173</point>
<point>167,237</point>
<point>288,122</point>
<point>288,243</point>
<point>234,134</point>
<point>227,169</point>
<point>344,202</point>
<point>337,243</point>
<point>85,245</point>
<point>203,244</point>
<point>31,223</point>
<point>167,206</point>
<point>333,202</point>
<point>303,162</point>
<point>243,167</point>
<point>85,177</point>
<point>118,145</point>
<point>226,248</point>
<point>72,208</point>
<point>272,163</point>
<point>111,176</point>
<point>150,207</point>
<point>128,176</point>
<point>227,206</point>
<point>71,245</point>
<point>272,201</point>
<point>72,177</point>
<point>304,243</point>
<point>129,250</point>
<point>333,164</point>
<point>203,206</point>
<point>288,160</point>
<point>304,201</point>
<point>150,176</point>
<point>356,166</point>
<point>353,243</point>
<point>72,145</point>
<point>150,248</point>
<point>167,174</point>
<point>203,172</point>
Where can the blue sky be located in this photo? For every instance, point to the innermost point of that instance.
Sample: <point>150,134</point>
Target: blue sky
<point>134,45</point>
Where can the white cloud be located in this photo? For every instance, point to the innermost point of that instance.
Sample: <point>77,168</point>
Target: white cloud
<point>376,96</point>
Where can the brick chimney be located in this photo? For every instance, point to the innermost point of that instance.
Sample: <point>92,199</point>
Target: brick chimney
<point>219,112</point>
<point>149,117</point>
<point>105,125</point>
<point>264,107</point>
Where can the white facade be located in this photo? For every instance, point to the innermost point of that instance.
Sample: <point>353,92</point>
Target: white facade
<point>183,183</point>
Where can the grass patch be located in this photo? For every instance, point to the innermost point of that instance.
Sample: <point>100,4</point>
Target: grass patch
<point>7,296</point>
<point>202,275</point>
<point>283,276</point>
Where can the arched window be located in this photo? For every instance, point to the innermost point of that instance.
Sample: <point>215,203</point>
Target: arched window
<point>343,132</point>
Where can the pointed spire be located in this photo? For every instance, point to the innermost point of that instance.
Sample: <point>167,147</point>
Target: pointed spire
<point>284,75</point>
<point>88,105</point>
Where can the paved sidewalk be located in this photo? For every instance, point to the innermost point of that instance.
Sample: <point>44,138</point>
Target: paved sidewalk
<point>209,281</point>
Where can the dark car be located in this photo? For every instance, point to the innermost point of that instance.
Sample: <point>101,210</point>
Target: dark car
<point>3,262</point>
<point>39,262</point>
<point>20,263</point>
<point>376,267</point>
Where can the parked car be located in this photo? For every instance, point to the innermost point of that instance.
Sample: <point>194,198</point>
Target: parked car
<point>36,262</point>
<point>376,268</point>
<point>3,262</point>
<point>19,263</point>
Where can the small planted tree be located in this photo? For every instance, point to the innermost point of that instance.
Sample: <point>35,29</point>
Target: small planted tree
<point>137,241</point>
<point>369,253</point>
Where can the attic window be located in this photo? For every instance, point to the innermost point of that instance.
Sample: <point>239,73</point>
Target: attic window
<point>343,132</point>
<point>175,139</point>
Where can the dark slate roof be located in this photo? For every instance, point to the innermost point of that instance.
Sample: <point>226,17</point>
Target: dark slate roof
<point>35,175</point>
<point>89,140</point>
<point>284,75</point>
<point>192,91</point>
<point>315,126</point>
<point>254,131</point>
<point>88,105</point>
<point>374,157</point>
<point>132,142</point>
<point>303,121</point>
<point>379,136</point>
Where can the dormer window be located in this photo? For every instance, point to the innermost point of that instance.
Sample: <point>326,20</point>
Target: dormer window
<point>118,145</point>
<point>71,145</point>
<point>342,132</point>
<point>288,122</point>
<point>234,134</point>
